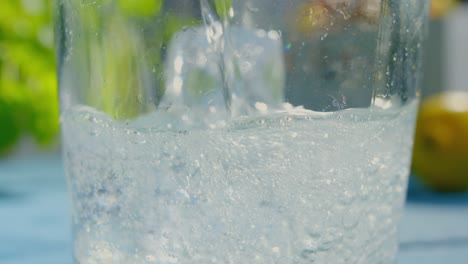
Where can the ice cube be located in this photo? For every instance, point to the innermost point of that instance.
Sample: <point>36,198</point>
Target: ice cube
<point>202,76</point>
<point>259,58</point>
<point>192,73</point>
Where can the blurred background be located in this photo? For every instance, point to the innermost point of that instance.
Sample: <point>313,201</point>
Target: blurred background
<point>29,99</point>
<point>440,157</point>
<point>28,90</point>
<point>30,163</point>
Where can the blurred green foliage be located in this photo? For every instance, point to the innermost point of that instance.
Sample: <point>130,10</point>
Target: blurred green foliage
<point>222,7</point>
<point>141,8</point>
<point>119,54</point>
<point>28,89</point>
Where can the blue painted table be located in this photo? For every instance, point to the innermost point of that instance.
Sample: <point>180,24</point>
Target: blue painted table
<point>34,218</point>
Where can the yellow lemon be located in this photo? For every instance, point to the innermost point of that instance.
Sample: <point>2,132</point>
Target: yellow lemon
<point>441,144</point>
<point>442,7</point>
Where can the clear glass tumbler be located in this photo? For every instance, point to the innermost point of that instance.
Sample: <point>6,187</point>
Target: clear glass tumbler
<point>238,131</point>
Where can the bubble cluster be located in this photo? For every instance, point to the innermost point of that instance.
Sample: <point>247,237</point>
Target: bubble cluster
<point>278,188</point>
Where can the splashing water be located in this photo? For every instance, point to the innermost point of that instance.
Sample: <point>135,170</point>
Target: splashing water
<point>215,32</point>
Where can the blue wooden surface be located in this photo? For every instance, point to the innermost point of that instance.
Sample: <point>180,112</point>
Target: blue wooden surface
<point>34,218</point>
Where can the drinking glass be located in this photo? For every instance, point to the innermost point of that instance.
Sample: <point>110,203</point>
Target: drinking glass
<point>238,131</point>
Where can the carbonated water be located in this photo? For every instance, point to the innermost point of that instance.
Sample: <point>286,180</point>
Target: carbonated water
<point>286,186</point>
